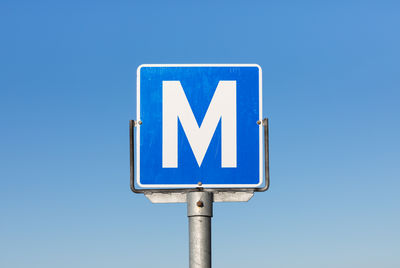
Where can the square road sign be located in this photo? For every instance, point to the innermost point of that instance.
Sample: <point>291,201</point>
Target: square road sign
<point>199,124</point>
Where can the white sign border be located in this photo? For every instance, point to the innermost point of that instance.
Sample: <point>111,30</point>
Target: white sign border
<point>162,186</point>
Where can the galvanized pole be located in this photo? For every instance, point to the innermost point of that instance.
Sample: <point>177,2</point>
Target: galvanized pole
<point>199,209</point>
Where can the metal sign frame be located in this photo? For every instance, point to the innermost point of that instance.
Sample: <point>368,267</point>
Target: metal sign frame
<point>179,195</point>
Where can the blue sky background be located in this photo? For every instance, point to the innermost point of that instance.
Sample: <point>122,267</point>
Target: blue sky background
<point>331,78</point>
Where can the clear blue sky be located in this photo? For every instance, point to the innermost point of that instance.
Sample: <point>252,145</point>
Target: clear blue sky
<point>331,78</point>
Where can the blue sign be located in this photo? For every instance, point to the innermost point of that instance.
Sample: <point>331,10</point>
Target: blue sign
<point>198,125</point>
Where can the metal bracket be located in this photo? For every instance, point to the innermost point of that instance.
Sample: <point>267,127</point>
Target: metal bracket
<point>223,196</point>
<point>179,195</point>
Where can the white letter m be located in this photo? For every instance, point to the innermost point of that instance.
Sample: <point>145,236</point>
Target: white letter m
<point>222,107</point>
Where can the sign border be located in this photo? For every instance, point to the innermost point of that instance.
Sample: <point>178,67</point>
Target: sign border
<point>166,186</point>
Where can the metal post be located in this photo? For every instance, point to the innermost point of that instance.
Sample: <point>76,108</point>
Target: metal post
<point>199,209</point>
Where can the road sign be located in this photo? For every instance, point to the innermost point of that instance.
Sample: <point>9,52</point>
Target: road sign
<point>198,124</point>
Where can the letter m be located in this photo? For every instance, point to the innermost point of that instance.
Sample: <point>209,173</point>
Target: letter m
<point>222,107</point>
